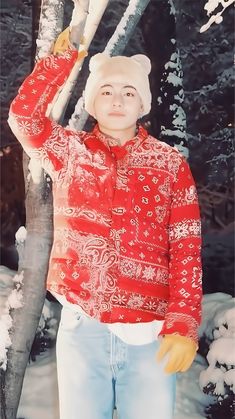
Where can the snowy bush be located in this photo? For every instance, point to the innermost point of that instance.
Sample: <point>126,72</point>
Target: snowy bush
<point>45,336</point>
<point>218,337</point>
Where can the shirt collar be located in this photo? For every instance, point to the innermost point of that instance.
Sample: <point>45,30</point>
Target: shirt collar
<point>114,145</point>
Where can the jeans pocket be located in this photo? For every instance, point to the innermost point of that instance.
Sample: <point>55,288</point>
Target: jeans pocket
<point>70,320</point>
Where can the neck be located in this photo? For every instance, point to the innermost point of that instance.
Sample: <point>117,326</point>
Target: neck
<point>122,135</point>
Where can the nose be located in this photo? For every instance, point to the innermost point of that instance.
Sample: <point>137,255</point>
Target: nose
<point>117,101</point>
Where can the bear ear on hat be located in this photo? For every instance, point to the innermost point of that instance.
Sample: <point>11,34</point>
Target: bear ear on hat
<point>144,61</point>
<point>97,60</point>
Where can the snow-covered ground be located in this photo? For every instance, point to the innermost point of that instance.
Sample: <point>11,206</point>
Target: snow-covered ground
<point>40,396</point>
<point>39,399</point>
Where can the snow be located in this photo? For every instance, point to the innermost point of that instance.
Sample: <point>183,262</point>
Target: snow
<point>21,234</point>
<point>218,377</point>
<point>35,170</point>
<point>213,311</point>
<point>173,63</point>
<point>217,18</point>
<point>219,324</point>
<point>216,353</point>
<point>227,317</point>
<point>172,10</point>
<point>40,377</point>
<point>13,300</point>
<point>169,132</point>
<point>211,5</point>
<point>179,115</point>
<point>229,377</point>
<point>72,124</point>
<point>121,27</point>
<point>174,79</point>
<point>48,27</point>
<point>5,342</point>
<point>190,400</point>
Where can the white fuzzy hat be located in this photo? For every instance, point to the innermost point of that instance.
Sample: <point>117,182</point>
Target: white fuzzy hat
<point>131,70</point>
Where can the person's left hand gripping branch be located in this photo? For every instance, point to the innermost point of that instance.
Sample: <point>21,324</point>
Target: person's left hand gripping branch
<point>63,43</point>
<point>180,351</point>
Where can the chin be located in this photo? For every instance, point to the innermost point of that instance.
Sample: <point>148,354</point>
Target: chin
<point>116,126</point>
<point>120,124</point>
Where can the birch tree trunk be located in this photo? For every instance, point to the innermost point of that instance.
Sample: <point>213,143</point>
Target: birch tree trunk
<point>86,21</point>
<point>34,260</point>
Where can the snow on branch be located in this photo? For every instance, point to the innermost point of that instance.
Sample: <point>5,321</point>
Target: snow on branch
<point>51,22</point>
<point>172,82</point>
<point>126,27</point>
<point>172,7</point>
<point>14,301</point>
<point>210,7</point>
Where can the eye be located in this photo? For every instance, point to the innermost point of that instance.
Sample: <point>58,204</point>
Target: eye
<point>106,93</point>
<point>129,94</point>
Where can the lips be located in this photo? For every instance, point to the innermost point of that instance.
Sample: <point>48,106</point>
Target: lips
<point>116,114</point>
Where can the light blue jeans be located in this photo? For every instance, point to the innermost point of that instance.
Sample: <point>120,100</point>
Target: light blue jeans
<point>97,371</point>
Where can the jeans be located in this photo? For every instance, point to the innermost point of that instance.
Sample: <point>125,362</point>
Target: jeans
<point>98,372</point>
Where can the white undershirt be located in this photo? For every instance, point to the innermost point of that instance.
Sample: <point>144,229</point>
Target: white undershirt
<point>130,333</point>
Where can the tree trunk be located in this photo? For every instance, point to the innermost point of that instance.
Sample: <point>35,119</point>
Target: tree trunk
<point>35,258</point>
<point>50,25</point>
<point>34,265</point>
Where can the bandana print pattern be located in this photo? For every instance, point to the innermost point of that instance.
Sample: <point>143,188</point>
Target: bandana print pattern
<point>126,219</point>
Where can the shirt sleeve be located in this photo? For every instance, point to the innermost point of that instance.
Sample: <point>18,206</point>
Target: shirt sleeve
<point>42,139</point>
<point>185,273</point>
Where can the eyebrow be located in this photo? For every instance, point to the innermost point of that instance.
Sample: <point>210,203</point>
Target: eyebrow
<point>124,87</point>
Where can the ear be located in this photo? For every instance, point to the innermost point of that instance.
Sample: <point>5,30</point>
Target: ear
<point>144,61</point>
<point>141,110</point>
<point>97,60</point>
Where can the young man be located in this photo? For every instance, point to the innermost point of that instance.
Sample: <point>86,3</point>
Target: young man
<point>125,262</point>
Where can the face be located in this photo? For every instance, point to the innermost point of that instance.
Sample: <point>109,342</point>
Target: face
<point>117,107</point>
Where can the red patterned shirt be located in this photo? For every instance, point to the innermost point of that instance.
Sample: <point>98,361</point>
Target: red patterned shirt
<point>126,218</point>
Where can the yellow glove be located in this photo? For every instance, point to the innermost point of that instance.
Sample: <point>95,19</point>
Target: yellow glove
<point>62,43</point>
<point>180,350</point>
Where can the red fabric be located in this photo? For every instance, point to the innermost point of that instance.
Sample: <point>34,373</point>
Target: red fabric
<point>126,219</point>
